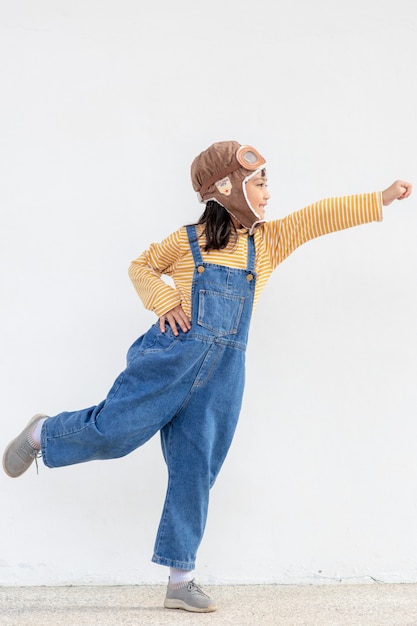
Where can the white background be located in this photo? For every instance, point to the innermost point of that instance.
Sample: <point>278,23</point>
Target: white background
<point>103,106</point>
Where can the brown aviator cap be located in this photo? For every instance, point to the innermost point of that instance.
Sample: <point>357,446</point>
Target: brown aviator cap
<point>220,173</point>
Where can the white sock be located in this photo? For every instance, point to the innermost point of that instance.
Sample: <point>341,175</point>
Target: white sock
<point>179,576</point>
<point>35,435</point>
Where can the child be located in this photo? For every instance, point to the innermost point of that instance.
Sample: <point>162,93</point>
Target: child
<point>185,376</point>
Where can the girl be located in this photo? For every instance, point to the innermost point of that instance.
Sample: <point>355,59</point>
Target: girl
<point>185,376</point>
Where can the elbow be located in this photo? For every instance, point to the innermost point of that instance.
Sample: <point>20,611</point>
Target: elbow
<point>132,271</point>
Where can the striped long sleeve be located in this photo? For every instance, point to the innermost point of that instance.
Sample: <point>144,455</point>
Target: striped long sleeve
<point>321,218</point>
<point>274,242</point>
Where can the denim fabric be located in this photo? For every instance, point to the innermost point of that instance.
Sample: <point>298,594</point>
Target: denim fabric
<point>187,387</point>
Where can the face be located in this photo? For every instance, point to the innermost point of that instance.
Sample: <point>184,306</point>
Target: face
<point>257,193</point>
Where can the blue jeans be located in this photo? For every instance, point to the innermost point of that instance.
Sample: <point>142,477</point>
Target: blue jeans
<point>187,387</point>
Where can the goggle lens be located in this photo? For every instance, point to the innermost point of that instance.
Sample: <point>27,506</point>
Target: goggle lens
<point>249,158</point>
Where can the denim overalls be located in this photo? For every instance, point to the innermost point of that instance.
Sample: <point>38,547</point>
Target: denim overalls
<point>187,387</point>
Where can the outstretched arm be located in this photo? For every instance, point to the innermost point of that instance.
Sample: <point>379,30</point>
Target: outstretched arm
<point>283,236</point>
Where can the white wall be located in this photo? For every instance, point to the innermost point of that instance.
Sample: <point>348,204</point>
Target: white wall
<point>104,105</point>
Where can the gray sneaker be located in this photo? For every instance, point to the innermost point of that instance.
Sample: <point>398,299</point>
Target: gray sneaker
<point>20,454</point>
<point>190,598</point>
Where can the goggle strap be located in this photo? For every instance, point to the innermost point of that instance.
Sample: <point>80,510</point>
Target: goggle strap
<point>218,176</point>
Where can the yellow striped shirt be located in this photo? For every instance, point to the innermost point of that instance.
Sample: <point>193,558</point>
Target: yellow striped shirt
<point>274,241</point>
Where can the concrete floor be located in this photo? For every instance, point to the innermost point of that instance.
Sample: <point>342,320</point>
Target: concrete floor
<point>374,604</point>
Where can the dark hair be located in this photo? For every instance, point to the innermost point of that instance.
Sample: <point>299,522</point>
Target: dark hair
<point>218,226</point>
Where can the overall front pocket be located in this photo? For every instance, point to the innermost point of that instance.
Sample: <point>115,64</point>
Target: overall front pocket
<point>219,312</point>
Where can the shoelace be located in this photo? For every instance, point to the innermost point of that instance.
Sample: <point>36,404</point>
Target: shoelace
<point>192,586</point>
<point>23,452</point>
<point>38,455</point>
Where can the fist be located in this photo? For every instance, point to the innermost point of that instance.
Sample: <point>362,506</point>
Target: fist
<point>397,191</point>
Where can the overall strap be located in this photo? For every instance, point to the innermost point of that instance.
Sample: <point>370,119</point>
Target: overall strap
<point>251,254</point>
<point>193,241</point>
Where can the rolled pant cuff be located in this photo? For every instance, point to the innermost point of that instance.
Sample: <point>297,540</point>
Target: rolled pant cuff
<point>186,565</point>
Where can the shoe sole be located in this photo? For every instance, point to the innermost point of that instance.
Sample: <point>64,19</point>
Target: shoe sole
<point>172,603</point>
<point>34,419</point>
